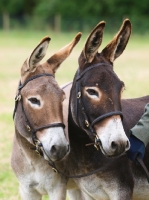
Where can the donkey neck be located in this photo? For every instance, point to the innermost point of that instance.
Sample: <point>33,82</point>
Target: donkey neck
<point>25,147</point>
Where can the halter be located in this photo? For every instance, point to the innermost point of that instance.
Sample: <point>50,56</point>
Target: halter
<point>38,144</point>
<point>29,127</point>
<point>79,103</point>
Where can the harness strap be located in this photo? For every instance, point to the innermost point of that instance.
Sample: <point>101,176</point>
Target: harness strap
<point>79,101</point>
<point>50,126</point>
<point>100,169</point>
<point>32,78</point>
<point>28,124</point>
<point>89,68</point>
<point>22,85</point>
<point>98,119</point>
<point>144,167</point>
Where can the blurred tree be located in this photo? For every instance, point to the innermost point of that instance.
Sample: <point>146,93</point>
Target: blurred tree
<point>50,9</point>
<point>9,7</point>
<point>70,10</point>
<point>75,14</point>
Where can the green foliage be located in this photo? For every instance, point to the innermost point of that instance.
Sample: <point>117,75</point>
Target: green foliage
<point>76,14</point>
<point>11,6</point>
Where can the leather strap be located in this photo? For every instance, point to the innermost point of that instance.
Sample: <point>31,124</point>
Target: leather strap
<point>144,167</point>
<point>28,124</point>
<point>100,169</point>
<point>98,119</point>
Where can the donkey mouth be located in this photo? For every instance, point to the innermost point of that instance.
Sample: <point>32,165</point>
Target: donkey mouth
<point>104,152</point>
<point>55,154</point>
<point>112,154</point>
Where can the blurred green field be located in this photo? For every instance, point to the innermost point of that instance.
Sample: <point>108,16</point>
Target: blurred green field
<point>132,67</point>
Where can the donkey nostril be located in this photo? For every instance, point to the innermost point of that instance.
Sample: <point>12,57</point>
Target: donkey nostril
<point>127,145</point>
<point>53,149</point>
<point>114,145</point>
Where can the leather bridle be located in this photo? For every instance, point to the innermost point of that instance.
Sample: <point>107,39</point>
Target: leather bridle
<point>79,105</point>
<point>38,145</point>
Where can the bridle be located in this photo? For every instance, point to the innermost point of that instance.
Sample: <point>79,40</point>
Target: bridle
<point>18,99</point>
<point>79,105</point>
<point>38,145</point>
<point>90,124</point>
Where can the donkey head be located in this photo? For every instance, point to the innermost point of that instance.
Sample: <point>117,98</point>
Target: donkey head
<point>38,116</point>
<point>98,108</point>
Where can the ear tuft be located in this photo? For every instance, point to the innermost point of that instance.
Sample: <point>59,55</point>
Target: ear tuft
<point>78,36</point>
<point>116,47</point>
<point>38,54</point>
<point>93,42</point>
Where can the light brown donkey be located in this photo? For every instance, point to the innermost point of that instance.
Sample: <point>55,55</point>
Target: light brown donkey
<point>39,125</point>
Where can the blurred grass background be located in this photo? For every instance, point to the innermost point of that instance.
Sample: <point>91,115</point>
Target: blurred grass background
<point>15,46</point>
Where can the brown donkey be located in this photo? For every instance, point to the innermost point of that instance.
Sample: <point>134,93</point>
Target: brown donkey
<point>97,116</point>
<point>39,125</point>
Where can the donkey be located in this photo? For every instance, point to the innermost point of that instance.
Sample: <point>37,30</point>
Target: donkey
<point>39,127</point>
<point>97,115</point>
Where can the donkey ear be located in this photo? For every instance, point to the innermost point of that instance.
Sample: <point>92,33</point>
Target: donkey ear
<point>55,60</point>
<point>36,56</point>
<point>116,47</point>
<point>93,42</point>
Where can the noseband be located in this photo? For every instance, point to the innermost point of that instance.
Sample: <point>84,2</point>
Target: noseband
<point>29,127</point>
<point>79,103</point>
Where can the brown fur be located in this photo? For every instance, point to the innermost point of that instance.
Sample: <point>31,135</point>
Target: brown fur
<point>42,101</point>
<point>123,179</point>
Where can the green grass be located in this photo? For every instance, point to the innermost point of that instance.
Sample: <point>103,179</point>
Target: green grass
<point>132,67</point>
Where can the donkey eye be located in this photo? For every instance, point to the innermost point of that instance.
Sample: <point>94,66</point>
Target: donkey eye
<point>92,92</point>
<point>34,101</point>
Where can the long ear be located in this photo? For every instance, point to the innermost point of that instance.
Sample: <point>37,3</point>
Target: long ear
<point>55,60</point>
<point>93,42</point>
<point>36,56</point>
<point>116,47</point>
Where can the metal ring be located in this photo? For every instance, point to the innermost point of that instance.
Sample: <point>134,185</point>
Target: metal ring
<point>28,128</point>
<point>18,98</point>
<point>55,170</point>
<point>96,147</point>
<point>79,95</point>
<point>37,152</point>
<point>86,123</point>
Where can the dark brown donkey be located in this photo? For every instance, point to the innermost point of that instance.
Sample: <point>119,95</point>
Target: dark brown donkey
<point>39,125</point>
<point>97,116</point>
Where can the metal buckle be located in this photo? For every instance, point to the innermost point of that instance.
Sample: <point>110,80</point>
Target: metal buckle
<point>79,95</point>
<point>38,147</point>
<point>96,145</point>
<point>86,123</point>
<point>55,170</point>
<point>37,151</point>
<point>28,128</point>
<point>18,98</point>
